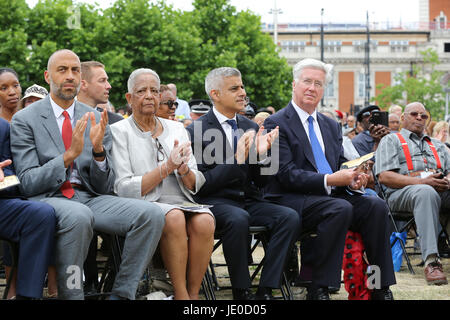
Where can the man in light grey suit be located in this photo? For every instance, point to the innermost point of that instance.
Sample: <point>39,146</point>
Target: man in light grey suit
<point>61,150</point>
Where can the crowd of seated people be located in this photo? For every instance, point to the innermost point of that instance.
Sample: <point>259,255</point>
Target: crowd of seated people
<point>167,180</point>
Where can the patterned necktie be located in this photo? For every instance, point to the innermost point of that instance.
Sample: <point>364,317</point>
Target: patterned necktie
<point>66,188</point>
<point>233,125</point>
<point>321,162</point>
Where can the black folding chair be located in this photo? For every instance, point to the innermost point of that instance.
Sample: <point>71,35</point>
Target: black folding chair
<point>211,283</point>
<point>109,269</point>
<point>398,216</point>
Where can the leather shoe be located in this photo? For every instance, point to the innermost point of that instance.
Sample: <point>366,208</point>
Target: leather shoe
<point>382,294</point>
<point>319,294</point>
<point>434,274</point>
<point>264,294</point>
<point>443,248</point>
<point>243,294</point>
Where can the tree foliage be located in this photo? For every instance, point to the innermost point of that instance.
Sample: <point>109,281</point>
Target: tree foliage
<point>182,47</point>
<point>422,85</point>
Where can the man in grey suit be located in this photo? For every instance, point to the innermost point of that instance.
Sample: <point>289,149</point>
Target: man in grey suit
<point>61,150</point>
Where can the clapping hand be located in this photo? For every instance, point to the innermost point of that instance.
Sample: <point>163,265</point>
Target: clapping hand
<point>97,131</point>
<point>264,142</point>
<point>243,146</point>
<point>180,155</point>
<point>2,165</point>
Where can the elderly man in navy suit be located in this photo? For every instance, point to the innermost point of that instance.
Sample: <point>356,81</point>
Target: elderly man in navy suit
<point>232,164</point>
<point>327,199</point>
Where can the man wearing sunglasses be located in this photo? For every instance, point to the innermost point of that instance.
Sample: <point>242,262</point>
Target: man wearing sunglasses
<point>368,140</point>
<point>415,169</point>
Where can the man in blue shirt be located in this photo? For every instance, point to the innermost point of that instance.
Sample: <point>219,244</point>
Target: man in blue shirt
<point>367,141</point>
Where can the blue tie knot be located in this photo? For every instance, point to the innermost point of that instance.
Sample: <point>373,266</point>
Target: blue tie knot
<point>232,123</point>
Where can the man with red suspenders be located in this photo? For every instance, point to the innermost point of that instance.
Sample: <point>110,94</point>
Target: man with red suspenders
<point>416,171</point>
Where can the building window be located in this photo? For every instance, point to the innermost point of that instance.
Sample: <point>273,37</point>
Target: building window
<point>360,45</point>
<point>447,47</point>
<point>362,85</point>
<point>329,90</point>
<point>331,46</point>
<point>293,46</point>
<point>399,46</point>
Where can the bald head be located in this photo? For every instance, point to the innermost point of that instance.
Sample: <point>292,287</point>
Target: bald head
<point>173,88</point>
<point>58,53</point>
<point>412,105</point>
<point>63,74</point>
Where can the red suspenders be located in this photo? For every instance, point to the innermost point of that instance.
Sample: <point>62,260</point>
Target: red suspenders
<point>408,154</point>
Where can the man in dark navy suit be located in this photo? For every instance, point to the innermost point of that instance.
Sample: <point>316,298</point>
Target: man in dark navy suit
<point>231,152</point>
<point>327,199</point>
<point>31,224</point>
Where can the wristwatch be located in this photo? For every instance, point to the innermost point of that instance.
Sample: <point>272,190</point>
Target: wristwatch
<point>100,154</point>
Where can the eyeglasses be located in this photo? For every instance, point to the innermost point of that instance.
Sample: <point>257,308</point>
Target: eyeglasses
<point>170,104</point>
<point>142,92</point>
<point>309,82</point>
<point>160,153</point>
<point>423,116</point>
<point>366,114</point>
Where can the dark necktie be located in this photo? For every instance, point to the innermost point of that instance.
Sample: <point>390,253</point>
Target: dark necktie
<point>321,162</point>
<point>233,125</point>
<point>66,188</point>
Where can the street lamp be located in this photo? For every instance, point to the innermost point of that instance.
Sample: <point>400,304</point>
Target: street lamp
<point>367,63</point>
<point>321,46</point>
<point>275,13</point>
<point>444,82</point>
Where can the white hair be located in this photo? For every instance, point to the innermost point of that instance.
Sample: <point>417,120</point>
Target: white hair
<point>136,73</point>
<point>313,64</point>
<point>214,79</point>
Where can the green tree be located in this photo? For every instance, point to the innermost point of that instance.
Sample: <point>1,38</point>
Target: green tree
<point>235,39</point>
<point>13,37</point>
<point>422,84</point>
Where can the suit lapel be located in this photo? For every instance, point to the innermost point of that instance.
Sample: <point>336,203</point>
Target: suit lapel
<point>296,125</point>
<point>50,124</point>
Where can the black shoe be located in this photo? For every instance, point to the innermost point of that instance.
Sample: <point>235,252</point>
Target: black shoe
<point>382,294</point>
<point>333,290</point>
<point>89,288</point>
<point>319,294</point>
<point>443,248</point>
<point>243,294</point>
<point>264,294</point>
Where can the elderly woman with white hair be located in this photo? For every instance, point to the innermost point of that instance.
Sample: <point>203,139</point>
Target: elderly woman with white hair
<point>153,161</point>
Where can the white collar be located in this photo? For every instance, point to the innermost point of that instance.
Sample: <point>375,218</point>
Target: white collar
<point>221,117</point>
<point>303,114</point>
<point>57,110</point>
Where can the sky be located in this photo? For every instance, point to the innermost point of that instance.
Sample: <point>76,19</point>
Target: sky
<point>302,11</point>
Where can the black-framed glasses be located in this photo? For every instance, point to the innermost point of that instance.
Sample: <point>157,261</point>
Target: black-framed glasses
<point>423,116</point>
<point>171,104</point>
<point>160,151</point>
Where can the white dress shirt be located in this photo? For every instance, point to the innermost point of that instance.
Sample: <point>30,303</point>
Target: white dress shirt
<point>227,128</point>
<point>58,111</point>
